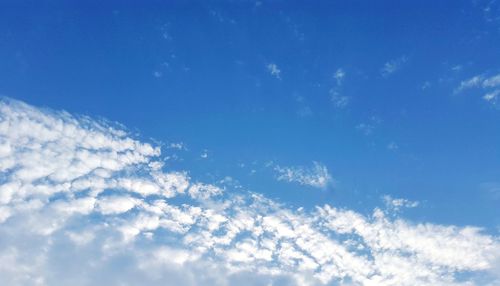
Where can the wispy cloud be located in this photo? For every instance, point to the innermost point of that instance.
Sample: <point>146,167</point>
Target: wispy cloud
<point>367,128</point>
<point>81,200</point>
<point>204,154</point>
<point>177,146</point>
<point>490,85</point>
<point>157,74</point>
<point>304,110</point>
<point>392,146</point>
<point>426,85</point>
<point>339,101</point>
<point>339,76</point>
<point>393,66</point>
<point>493,81</point>
<point>274,70</point>
<point>475,81</point>
<point>492,96</point>
<point>316,175</point>
<point>492,189</point>
<point>397,204</point>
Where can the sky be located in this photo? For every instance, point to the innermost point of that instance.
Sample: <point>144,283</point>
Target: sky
<point>250,143</point>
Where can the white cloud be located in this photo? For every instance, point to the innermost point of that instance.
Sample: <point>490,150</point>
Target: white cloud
<point>492,96</point>
<point>392,66</point>
<point>157,74</point>
<point>492,81</point>
<point>397,204</point>
<point>83,203</point>
<point>177,145</point>
<point>117,204</point>
<point>204,154</point>
<point>490,85</point>
<point>393,146</point>
<point>274,70</point>
<point>474,81</point>
<point>365,128</point>
<point>339,76</point>
<point>316,176</point>
<point>340,101</point>
<point>426,85</point>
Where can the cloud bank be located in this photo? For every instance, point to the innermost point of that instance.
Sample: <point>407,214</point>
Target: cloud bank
<point>84,203</point>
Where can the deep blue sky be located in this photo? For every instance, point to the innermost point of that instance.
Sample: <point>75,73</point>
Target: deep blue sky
<point>199,73</point>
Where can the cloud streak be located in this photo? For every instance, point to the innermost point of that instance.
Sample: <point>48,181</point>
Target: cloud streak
<point>84,203</point>
<point>490,85</point>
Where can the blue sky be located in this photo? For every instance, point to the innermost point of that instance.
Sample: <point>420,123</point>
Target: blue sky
<point>354,104</point>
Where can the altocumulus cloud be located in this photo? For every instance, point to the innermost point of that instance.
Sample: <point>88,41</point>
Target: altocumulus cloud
<point>84,203</point>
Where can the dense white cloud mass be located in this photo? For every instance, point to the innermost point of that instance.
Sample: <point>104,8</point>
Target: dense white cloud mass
<point>82,203</point>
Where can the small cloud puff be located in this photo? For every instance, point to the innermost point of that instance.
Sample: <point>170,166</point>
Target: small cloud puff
<point>393,66</point>
<point>204,154</point>
<point>274,70</point>
<point>339,76</point>
<point>397,204</point>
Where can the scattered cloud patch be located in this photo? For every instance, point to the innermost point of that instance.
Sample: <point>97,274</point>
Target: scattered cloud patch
<point>475,81</point>
<point>365,128</point>
<point>492,96</point>
<point>304,109</point>
<point>204,154</point>
<point>339,76</point>
<point>493,81</point>
<point>426,85</point>
<point>492,189</point>
<point>393,146</point>
<point>165,32</point>
<point>397,204</point>
<point>393,66</point>
<point>491,11</point>
<point>274,70</point>
<point>81,200</point>
<point>177,146</point>
<point>490,85</point>
<point>316,176</point>
<point>339,101</point>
